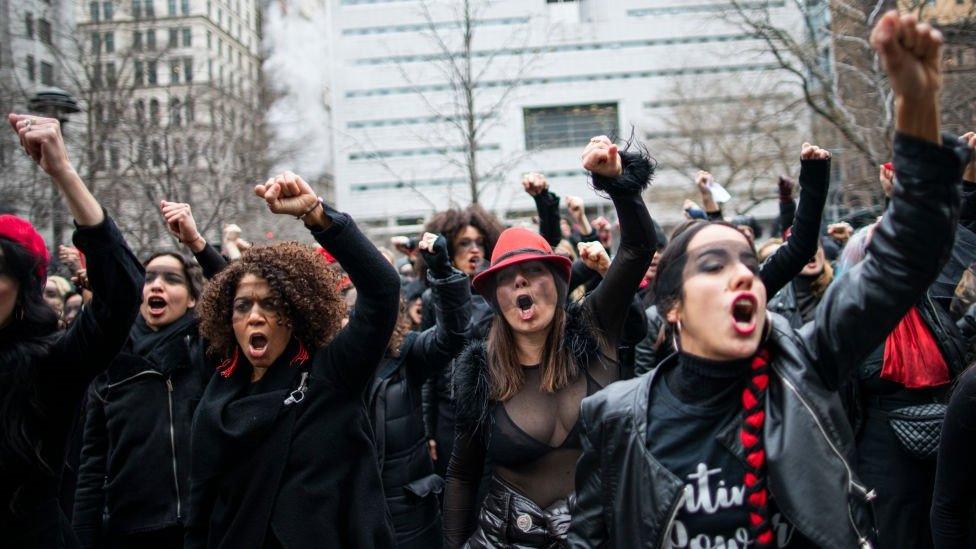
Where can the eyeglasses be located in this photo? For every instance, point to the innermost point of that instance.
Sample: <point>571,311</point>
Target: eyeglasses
<point>467,243</point>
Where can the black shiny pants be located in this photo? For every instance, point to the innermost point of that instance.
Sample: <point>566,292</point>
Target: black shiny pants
<point>509,519</point>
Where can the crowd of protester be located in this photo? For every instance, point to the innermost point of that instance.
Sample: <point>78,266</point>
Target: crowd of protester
<point>570,382</point>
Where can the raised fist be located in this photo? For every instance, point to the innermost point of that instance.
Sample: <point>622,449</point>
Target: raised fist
<point>180,222</point>
<point>886,176</point>
<point>42,140</point>
<point>433,248</point>
<point>813,152</point>
<point>840,232</point>
<point>71,258</point>
<point>594,256</point>
<point>534,183</point>
<point>601,157</point>
<point>601,224</point>
<point>703,179</point>
<point>969,138</point>
<point>911,53</point>
<point>575,206</point>
<point>287,194</point>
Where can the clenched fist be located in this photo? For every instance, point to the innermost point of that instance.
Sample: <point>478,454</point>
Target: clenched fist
<point>42,140</point>
<point>602,157</point>
<point>534,184</point>
<point>289,194</point>
<point>594,256</point>
<point>813,152</point>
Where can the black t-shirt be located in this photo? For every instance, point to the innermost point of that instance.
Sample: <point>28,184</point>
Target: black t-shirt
<point>691,440</point>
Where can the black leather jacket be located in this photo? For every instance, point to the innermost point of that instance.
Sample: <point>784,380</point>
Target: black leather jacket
<point>625,498</point>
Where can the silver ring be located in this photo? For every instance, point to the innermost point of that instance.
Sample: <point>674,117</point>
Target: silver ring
<point>29,123</point>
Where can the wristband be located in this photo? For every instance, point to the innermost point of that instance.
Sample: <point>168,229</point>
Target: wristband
<point>318,202</point>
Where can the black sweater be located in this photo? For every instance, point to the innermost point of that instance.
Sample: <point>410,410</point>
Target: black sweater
<point>62,367</point>
<point>300,474</point>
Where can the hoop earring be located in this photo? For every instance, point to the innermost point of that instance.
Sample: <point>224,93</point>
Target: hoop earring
<point>674,336</point>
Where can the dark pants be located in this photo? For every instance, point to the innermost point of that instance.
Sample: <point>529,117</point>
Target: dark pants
<point>509,519</point>
<point>168,538</point>
<point>903,483</point>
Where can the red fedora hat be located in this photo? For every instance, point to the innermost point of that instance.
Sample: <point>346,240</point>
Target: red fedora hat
<point>518,245</point>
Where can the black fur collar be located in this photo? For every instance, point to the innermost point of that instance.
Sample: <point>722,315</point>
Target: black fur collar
<point>470,386</point>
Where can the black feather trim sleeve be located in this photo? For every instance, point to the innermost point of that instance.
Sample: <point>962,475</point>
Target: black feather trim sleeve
<point>638,171</point>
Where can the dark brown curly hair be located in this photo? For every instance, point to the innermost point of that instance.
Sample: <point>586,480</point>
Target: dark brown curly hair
<point>451,222</point>
<point>307,292</point>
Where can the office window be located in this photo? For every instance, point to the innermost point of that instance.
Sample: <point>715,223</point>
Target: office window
<point>149,8</point>
<point>151,39</point>
<point>31,69</point>
<point>174,71</point>
<point>141,111</point>
<point>190,110</point>
<point>109,42</point>
<point>175,112</point>
<point>187,37</point>
<point>188,69</point>
<point>157,154</point>
<point>47,73</point>
<point>137,40</point>
<point>108,10</point>
<point>110,73</point>
<point>151,74</point>
<point>96,42</point>
<point>153,112</point>
<point>94,12</point>
<point>29,25</point>
<point>174,37</point>
<point>139,73</point>
<point>209,40</point>
<point>137,9</point>
<point>185,7</point>
<point>172,7</point>
<point>557,127</point>
<point>44,31</point>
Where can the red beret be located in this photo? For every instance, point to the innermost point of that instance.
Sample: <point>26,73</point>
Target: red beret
<point>21,231</point>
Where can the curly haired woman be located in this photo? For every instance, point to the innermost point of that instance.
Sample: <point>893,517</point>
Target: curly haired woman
<point>282,449</point>
<point>741,437</point>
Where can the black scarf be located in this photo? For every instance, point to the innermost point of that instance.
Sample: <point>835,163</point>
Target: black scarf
<point>144,340</point>
<point>242,432</point>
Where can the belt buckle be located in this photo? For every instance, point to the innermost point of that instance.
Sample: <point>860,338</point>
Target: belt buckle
<point>524,522</point>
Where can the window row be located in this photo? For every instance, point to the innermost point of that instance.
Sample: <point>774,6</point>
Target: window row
<point>47,71</point>
<point>43,28</point>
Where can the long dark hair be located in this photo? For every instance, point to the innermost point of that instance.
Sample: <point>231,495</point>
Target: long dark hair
<point>24,341</point>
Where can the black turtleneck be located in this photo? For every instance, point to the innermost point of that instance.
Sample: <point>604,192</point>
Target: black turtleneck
<point>703,382</point>
<point>806,301</point>
<point>693,425</point>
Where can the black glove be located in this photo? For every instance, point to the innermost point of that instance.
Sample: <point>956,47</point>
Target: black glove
<point>437,260</point>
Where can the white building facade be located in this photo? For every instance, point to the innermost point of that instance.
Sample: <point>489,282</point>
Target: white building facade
<point>582,68</point>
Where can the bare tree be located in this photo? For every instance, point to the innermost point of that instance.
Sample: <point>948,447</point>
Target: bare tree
<point>745,135</point>
<point>479,85</point>
<point>841,78</point>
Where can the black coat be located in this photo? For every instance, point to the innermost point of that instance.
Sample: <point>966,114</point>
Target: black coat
<point>625,498</point>
<point>409,481</point>
<point>62,365</point>
<point>300,471</point>
<point>136,456</point>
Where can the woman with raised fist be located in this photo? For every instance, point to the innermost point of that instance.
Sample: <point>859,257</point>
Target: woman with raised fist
<point>741,437</point>
<point>394,400</point>
<point>139,411</point>
<point>44,371</point>
<point>518,391</point>
<point>282,448</point>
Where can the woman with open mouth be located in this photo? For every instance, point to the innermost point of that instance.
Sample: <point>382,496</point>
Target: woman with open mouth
<point>283,453</point>
<point>741,438</point>
<point>140,410</point>
<point>43,370</point>
<point>517,392</point>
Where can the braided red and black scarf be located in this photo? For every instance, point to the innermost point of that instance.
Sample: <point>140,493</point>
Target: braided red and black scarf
<point>751,435</point>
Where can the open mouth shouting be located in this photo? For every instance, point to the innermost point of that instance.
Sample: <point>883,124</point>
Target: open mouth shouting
<point>526,307</point>
<point>257,345</point>
<point>156,305</point>
<point>744,309</point>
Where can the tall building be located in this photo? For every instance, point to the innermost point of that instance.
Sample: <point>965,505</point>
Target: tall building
<point>35,35</point>
<point>173,91</point>
<point>546,75</point>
